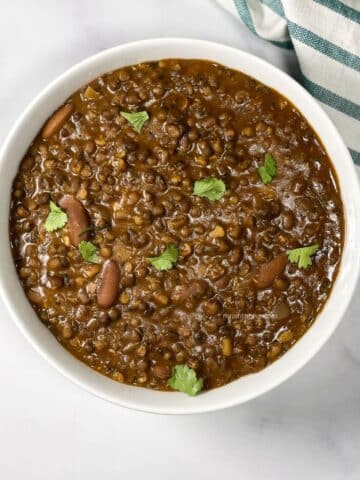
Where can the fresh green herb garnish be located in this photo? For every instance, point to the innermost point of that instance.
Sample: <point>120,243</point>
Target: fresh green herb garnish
<point>185,380</point>
<point>302,256</point>
<point>268,170</point>
<point>167,259</point>
<point>89,252</point>
<point>136,120</point>
<point>56,219</point>
<point>211,188</point>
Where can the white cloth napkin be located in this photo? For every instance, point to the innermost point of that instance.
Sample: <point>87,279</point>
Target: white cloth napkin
<point>325,35</point>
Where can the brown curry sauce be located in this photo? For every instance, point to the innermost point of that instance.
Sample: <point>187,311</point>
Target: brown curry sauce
<point>232,303</point>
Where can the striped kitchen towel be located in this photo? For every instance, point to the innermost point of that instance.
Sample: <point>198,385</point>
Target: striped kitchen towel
<point>325,35</point>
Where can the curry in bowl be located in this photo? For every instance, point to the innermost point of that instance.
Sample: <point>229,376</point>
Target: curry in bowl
<point>177,225</point>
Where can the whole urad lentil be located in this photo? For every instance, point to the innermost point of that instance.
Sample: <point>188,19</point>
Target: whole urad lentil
<point>232,302</point>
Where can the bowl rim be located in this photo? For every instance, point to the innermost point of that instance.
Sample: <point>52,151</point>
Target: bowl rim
<point>272,375</point>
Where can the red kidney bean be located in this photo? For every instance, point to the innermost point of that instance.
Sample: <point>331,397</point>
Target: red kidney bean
<point>78,221</point>
<point>267,272</point>
<point>57,120</point>
<point>108,284</point>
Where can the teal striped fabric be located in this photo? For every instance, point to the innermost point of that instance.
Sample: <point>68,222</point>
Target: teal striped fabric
<point>325,35</point>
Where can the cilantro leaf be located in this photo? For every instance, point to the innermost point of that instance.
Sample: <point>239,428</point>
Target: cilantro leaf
<point>89,252</point>
<point>268,170</point>
<point>136,119</point>
<point>56,219</point>
<point>211,188</point>
<point>167,259</point>
<point>185,380</point>
<point>302,256</point>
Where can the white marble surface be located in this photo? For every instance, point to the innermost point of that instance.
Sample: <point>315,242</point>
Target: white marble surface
<point>308,427</point>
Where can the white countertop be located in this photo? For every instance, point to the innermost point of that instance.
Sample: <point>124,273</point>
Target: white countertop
<point>308,427</point>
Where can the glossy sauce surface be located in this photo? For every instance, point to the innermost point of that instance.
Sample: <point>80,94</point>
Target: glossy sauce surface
<point>233,303</point>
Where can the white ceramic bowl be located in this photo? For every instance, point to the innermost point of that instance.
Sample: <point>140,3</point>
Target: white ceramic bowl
<point>246,387</point>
